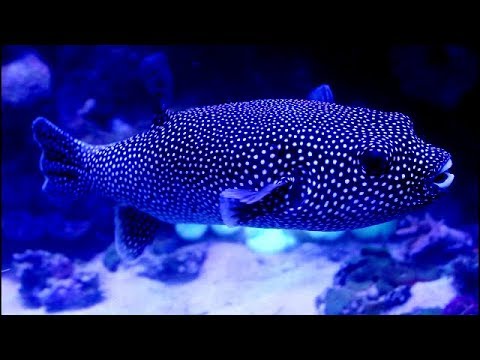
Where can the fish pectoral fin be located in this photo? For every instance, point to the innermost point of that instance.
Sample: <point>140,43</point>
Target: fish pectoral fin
<point>238,206</point>
<point>134,230</point>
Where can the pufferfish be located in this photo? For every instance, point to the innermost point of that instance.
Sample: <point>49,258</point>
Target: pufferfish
<point>278,163</point>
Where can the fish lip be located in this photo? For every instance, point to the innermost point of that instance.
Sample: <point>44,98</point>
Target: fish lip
<point>447,165</point>
<point>445,183</point>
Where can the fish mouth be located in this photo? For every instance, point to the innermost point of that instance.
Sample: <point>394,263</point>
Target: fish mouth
<point>444,179</point>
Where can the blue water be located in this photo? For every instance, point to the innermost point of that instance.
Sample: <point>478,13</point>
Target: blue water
<point>103,94</point>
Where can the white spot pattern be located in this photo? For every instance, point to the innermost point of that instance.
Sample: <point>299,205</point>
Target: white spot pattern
<point>177,171</point>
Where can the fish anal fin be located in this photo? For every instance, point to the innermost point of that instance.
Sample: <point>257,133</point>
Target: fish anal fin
<point>134,231</point>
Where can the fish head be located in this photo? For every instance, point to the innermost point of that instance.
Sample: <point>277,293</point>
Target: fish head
<point>398,167</point>
<point>374,168</point>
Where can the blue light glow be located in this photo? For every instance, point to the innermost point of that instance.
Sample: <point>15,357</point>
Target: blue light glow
<point>224,230</point>
<point>383,230</point>
<point>191,232</point>
<point>269,241</point>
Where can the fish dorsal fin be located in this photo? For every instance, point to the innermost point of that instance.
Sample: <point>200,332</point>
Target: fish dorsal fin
<point>162,116</point>
<point>322,93</point>
<point>238,206</point>
<point>134,230</point>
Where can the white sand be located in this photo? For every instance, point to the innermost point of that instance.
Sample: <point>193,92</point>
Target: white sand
<point>234,280</point>
<point>429,294</point>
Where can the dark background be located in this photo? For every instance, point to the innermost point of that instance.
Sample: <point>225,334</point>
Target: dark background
<point>437,85</point>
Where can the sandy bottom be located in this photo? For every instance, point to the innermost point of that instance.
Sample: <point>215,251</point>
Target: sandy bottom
<point>234,280</point>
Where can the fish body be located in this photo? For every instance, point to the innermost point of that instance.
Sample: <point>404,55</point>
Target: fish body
<point>290,164</point>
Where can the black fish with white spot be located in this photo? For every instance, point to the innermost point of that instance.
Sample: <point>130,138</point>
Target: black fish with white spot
<point>290,164</point>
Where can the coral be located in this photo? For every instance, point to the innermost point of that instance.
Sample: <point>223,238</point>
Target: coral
<point>182,265</point>
<point>374,282</point>
<point>431,241</point>
<point>167,244</point>
<point>50,280</point>
<point>335,300</point>
<point>79,291</point>
<point>377,304</point>
<point>373,265</point>
<point>366,300</point>
<point>25,81</point>
<point>462,305</point>
<point>191,232</point>
<point>269,241</point>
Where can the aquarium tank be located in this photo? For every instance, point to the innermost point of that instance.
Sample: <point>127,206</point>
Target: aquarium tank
<point>239,179</point>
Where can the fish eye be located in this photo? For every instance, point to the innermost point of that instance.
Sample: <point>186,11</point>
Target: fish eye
<point>374,162</point>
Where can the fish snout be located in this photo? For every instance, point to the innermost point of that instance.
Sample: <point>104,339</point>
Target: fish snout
<point>444,178</point>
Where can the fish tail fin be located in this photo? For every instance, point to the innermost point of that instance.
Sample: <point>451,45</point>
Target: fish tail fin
<point>63,160</point>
